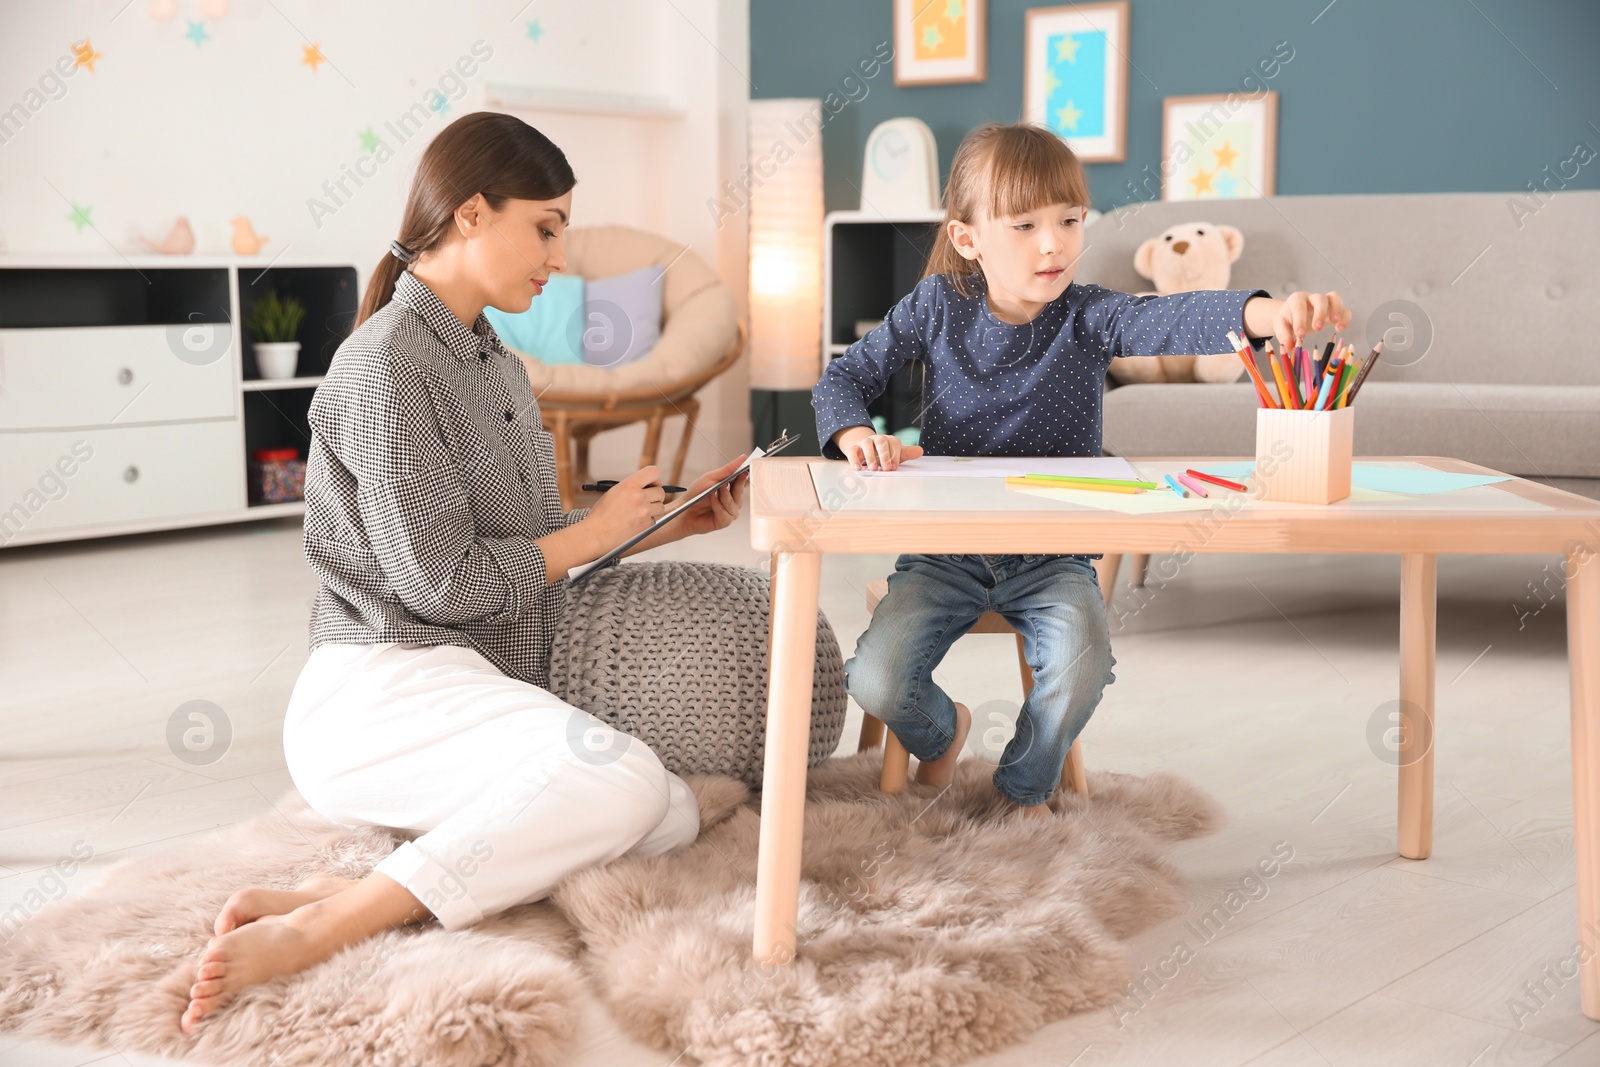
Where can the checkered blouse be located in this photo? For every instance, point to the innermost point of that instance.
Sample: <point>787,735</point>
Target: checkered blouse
<point>429,475</point>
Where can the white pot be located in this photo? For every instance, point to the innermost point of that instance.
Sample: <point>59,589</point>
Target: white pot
<point>277,359</point>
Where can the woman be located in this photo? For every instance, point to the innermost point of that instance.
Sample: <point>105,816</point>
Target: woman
<point>437,534</point>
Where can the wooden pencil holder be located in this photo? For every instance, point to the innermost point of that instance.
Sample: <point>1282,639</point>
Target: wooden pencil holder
<point>1304,456</point>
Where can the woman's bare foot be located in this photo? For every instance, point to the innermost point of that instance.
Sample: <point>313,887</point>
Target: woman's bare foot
<point>274,945</point>
<point>942,771</point>
<point>248,905</point>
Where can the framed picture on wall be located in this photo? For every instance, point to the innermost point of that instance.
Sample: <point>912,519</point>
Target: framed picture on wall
<point>1222,147</point>
<point>940,42</point>
<point>1075,77</point>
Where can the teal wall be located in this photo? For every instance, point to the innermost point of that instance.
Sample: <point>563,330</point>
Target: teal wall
<point>1381,96</point>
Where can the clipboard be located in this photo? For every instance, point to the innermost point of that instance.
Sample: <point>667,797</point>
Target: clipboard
<point>583,570</point>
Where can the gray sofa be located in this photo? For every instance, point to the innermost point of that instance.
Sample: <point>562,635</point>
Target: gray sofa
<point>1486,300</point>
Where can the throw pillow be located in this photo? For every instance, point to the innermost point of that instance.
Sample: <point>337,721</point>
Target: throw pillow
<point>622,317</point>
<point>551,330</point>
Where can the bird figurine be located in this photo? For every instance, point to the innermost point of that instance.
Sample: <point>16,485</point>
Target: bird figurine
<point>179,241</point>
<point>246,242</point>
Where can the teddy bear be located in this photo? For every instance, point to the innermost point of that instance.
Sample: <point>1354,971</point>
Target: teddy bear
<point>1185,258</point>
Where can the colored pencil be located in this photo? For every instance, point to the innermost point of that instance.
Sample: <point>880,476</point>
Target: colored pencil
<point>1307,390</point>
<point>1327,357</point>
<point>1344,384</point>
<point>1091,478</point>
<point>1098,487</point>
<point>1214,480</point>
<point>1291,394</point>
<point>1247,354</point>
<point>1326,391</point>
<point>1277,376</point>
<point>1355,386</point>
<point>1176,485</point>
<point>1196,487</point>
<point>1262,395</point>
<point>1294,381</point>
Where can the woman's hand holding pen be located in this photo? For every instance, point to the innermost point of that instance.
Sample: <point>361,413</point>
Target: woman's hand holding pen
<point>1295,317</point>
<point>627,507</point>
<point>714,512</point>
<point>874,451</point>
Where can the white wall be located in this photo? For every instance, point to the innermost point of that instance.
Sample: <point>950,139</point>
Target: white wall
<point>238,125</point>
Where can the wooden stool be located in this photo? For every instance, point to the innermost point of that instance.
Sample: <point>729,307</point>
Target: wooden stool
<point>897,761</point>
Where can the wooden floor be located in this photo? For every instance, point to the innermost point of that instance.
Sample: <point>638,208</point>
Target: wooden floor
<point>1263,679</point>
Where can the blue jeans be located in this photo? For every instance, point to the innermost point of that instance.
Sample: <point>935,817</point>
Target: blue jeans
<point>1054,602</point>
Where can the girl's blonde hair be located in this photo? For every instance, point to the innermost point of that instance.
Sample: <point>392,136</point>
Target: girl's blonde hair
<point>1003,169</point>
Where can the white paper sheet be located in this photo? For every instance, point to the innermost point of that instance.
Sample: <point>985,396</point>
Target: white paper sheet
<point>1012,466</point>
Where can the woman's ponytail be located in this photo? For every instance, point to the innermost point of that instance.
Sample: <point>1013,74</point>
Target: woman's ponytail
<point>380,287</point>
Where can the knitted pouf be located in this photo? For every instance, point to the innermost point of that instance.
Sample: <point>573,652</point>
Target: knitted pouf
<point>675,654</point>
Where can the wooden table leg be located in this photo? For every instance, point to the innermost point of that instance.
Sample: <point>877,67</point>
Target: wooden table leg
<point>1418,611</point>
<point>793,652</point>
<point>1583,651</point>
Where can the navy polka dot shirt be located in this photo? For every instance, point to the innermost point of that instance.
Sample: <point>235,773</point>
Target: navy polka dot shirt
<point>994,389</point>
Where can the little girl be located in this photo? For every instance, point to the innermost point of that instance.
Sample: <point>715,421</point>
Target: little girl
<point>1015,355</point>
<point>439,541</point>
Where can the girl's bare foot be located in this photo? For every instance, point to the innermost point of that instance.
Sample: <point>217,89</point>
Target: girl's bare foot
<point>942,771</point>
<point>248,905</point>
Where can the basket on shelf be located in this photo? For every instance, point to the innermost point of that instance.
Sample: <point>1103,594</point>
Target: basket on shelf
<point>277,476</point>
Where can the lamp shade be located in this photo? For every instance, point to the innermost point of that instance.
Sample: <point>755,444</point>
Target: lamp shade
<point>785,175</point>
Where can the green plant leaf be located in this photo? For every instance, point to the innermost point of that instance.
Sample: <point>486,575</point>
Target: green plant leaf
<point>274,319</point>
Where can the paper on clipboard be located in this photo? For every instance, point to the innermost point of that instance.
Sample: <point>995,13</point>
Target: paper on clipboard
<point>583,569</point>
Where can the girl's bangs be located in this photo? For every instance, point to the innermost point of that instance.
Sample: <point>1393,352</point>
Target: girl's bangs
<point>1027,176</point>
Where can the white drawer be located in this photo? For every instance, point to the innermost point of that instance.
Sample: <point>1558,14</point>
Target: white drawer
<point>89,477</point>
<point>88,376</point>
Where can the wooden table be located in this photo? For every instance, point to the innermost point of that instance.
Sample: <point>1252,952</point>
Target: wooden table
<point>789,520</point>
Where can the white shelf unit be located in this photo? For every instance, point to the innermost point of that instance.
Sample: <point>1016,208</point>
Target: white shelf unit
<point>129,398</point>
<point>869,262</point>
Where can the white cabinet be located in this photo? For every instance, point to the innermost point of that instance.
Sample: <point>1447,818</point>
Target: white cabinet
<point>103,375</point>
<point>69,479</point>
<point>129,397</point>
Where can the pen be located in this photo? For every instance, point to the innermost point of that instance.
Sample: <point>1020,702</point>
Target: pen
<point>600,487</point>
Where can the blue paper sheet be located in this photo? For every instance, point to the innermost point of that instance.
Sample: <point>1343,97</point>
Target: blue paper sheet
<point>1411,481</point>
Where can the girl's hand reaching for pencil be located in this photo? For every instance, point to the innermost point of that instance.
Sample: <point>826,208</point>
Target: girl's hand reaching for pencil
<point>1295,317</point>
<point>874,451</point>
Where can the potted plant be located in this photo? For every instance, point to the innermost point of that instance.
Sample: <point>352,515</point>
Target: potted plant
<point>273,322</point>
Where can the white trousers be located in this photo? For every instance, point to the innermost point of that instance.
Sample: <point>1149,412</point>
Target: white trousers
<point>509,788</point>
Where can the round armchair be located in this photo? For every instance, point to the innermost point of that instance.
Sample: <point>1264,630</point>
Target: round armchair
<point>701,336</point>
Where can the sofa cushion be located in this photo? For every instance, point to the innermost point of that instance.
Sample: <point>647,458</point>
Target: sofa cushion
<point>1526,430</point>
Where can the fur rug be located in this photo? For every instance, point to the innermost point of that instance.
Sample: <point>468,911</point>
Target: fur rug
<point>930,931</point>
